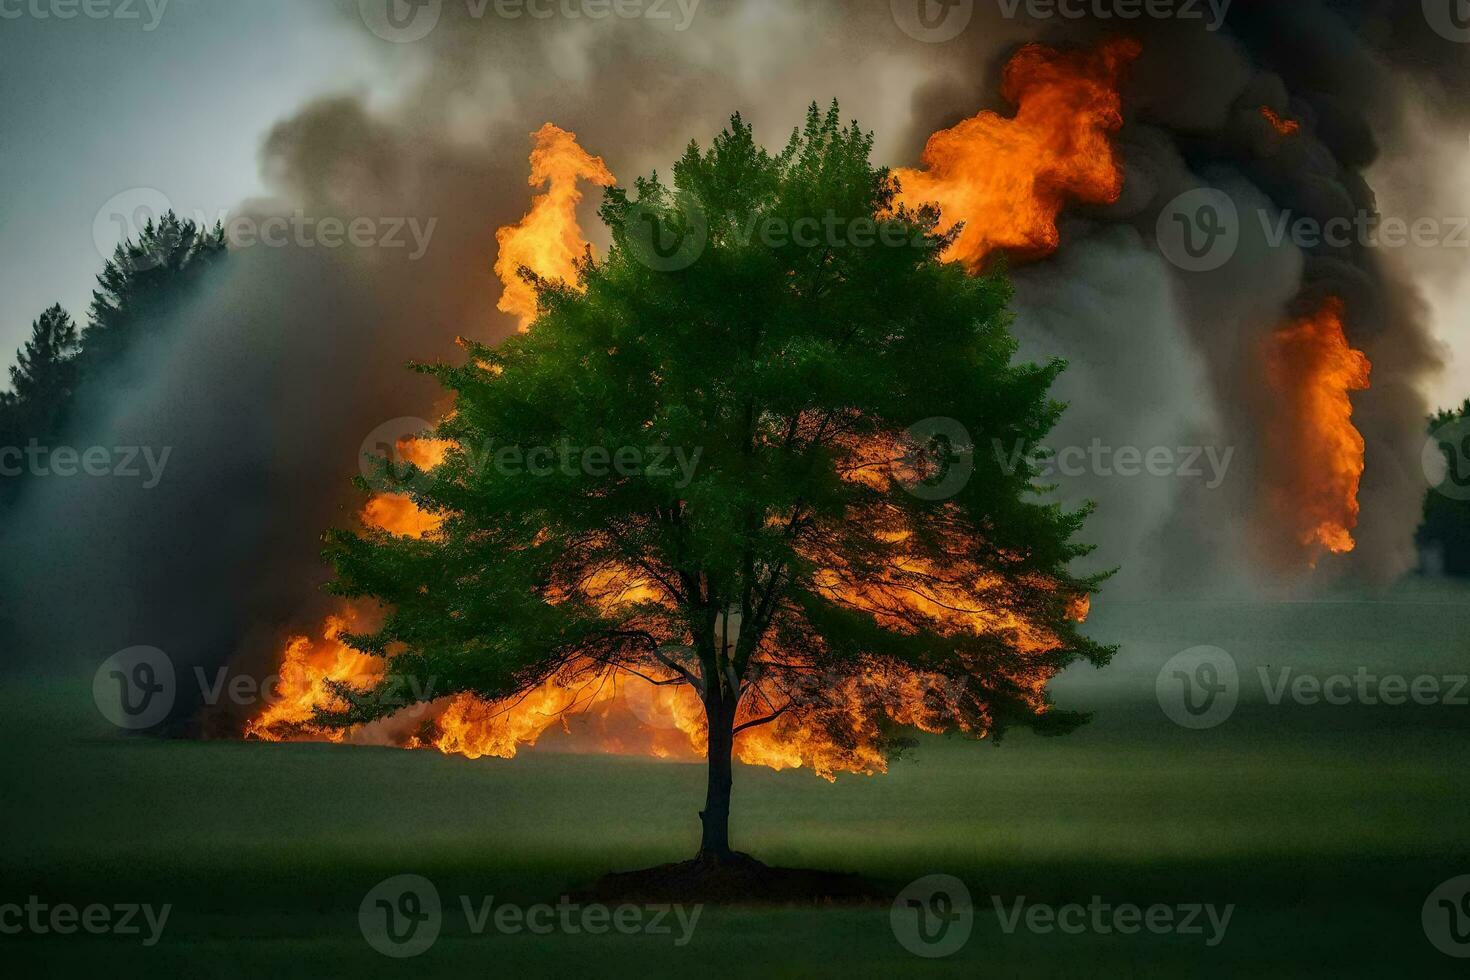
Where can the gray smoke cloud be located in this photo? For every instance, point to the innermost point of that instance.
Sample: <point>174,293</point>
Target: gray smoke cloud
<point>271,379</point>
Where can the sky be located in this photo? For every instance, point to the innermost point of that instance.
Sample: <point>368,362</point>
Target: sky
<point>176,103</point>
<point>174,97</point>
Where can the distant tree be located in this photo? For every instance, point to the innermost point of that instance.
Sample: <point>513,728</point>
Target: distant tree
<point>43,383</point>
<point>44,376</point>
<point>1446,527</point>
<point>812,573</point>
<point>142,281</point>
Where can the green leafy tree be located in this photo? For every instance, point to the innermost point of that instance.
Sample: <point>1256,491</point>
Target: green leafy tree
<point>142,282</point>
<point>1446,526</point>
<point>821,572</point>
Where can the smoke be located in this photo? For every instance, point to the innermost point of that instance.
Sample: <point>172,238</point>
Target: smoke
<point>1352,75</point>
<point>268,383</point>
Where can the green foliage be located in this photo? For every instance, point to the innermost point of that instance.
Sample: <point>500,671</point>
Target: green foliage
<point>43,379</point>
<point>1446,524</point>
<point>142,281</point>
<point>782,366</point>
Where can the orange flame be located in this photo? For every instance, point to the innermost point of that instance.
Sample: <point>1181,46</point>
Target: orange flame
<point>397,513</point>
<point>1008,179</point>
<point>306,669</point>
<point>1282,125</point>
<point>548,240</point>
<point>1314,453</point>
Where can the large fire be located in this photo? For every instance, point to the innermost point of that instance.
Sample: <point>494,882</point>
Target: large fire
<point>1314,452</point>
<point>548,239</point>
<point>1008,179</point>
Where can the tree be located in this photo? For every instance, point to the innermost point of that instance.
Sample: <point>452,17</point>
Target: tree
<point>44,375</point>
<point>142,282</point>
<point>814,574</point>
<point>1446,526</point>
<point>43,381</point>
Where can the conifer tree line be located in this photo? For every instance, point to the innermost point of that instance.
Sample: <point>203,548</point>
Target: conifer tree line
<point>145,278</point>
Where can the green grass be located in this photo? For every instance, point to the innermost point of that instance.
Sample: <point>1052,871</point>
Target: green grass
<point>1325,826</point>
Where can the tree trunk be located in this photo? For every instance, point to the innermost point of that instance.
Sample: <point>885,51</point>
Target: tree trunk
<point>715,844</point>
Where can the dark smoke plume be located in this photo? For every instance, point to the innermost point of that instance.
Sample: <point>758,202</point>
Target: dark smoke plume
<point>267,385</point>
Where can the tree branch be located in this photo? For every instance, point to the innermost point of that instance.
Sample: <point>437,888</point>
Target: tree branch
<point>756,722</point>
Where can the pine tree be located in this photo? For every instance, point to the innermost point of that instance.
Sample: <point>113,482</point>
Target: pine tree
<point>43,381</point>
<point>142,281</point>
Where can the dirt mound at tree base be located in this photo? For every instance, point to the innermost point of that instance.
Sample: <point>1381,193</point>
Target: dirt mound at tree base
<point>737,879</point>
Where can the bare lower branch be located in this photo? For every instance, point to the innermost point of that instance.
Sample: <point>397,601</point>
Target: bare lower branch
<point>756,722</point>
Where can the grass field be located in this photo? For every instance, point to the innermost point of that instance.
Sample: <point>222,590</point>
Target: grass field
<point>1325,826</point>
